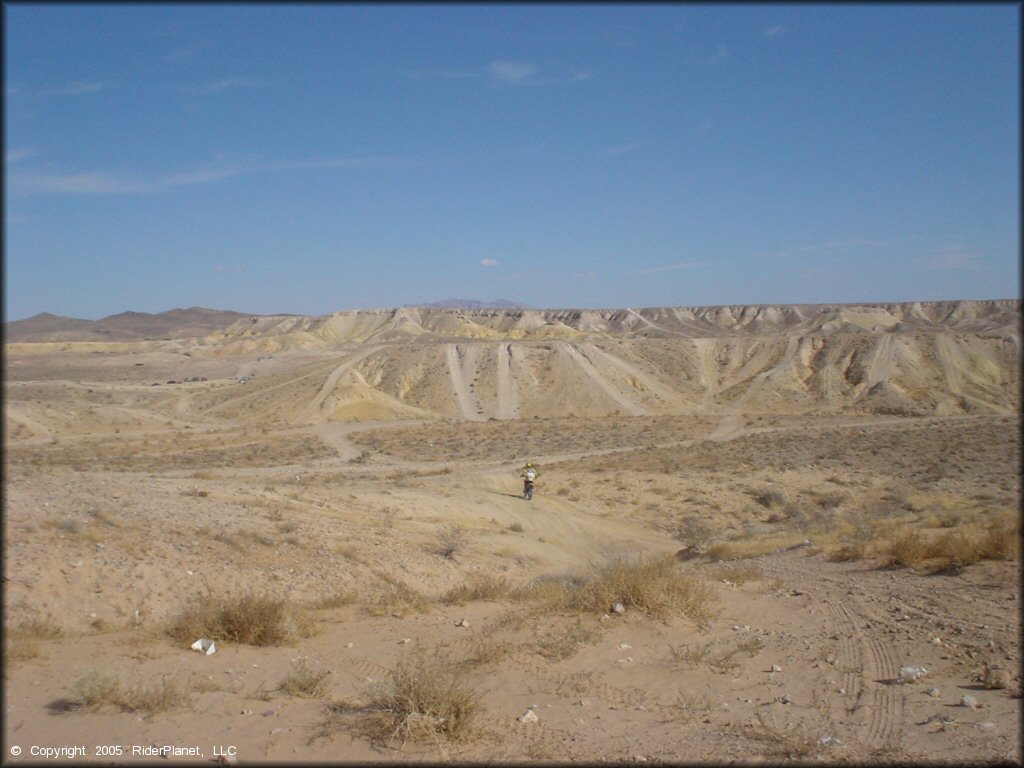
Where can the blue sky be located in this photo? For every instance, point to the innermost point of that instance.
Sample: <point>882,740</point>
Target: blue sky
<point>314,158</point>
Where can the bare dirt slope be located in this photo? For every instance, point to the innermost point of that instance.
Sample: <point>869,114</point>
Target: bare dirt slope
<point>792,505</point>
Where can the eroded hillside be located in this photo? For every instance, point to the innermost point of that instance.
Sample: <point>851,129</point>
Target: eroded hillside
<point>943,358</point>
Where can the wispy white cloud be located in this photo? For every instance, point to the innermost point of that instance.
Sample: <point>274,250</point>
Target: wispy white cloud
<point>721,55</point>
<point>72,184</point>
<point>835,246</point>
<point>79,88</point>
<point>20,154</point>
<point>490,262</point>
<point>439,74</point>
<point>774,30</point>
<point>100,183</point>
<point>624,148</point>
<point>952,259</point>
<point>500,73</point>
<point>512,72</point>
<point>228,84</point>
<point>223,269</point>
<point>667,268</point>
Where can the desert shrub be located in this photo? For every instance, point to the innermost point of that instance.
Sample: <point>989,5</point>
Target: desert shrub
<point>693,531</point>
<point>486,650</point>
<point>561,645</point>
<point>793,740</point>
<point>21,642</point>
<point>305,681</point>
<point>907,548</point>
<point>851,550</point>
<point>337,599</point>
<point>97,690</point>
<point>654,586</point>
<point>251,619</point>
<point>829,500</point>
<point>37,629</point>
<point>420,699</point>
<point>754,546</point>
<point>450,541</point>
<point>1001,540</point>
<point>768,497</point>
<point>396,597</point>
<point>478,587</point>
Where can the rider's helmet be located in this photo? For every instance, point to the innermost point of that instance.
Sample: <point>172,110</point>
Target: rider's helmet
<point>528,464</point>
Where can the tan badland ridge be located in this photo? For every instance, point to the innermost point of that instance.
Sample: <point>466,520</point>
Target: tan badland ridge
<point>909,358</point>
<point>817,498</point>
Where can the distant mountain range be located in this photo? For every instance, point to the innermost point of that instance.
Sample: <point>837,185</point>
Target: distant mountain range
<point>128,326</point>
<point>193,322</point>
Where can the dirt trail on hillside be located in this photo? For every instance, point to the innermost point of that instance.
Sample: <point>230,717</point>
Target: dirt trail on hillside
<point>461,372</point>
<point>313,409</point>
<point>578,356</point>
<point>508,398</point>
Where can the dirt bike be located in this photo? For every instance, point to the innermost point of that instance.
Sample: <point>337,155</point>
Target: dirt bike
<point>527,489</point>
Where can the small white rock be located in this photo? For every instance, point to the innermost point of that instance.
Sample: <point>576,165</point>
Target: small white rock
<point>969,701</point>
<point>776,668</point>
<point>529,717</point>
<point>618,608</point>
<point>911,673</point>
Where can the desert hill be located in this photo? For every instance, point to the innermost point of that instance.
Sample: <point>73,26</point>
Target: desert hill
<point>473,304</point>
<point>919,358</point>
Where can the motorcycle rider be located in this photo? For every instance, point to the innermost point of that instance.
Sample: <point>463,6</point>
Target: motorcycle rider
<point>529,474</point>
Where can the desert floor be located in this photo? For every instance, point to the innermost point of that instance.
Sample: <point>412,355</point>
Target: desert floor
<point>809,560</point>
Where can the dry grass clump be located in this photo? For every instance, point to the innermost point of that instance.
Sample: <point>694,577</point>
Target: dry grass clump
<point>396,598</point>
<point>450,541</point>
<point>252,619</point>
<point>793,741</point>
<point>37,629</point>
<point>338,599</point>
<point>487,650</point>
<point>849,551</point>
<point>563,644</point>
<point>421,700</point>
<point>954,549</point>
<point>689,657</point>
<point>305,681</point>
<point>478,587</point>
<point>739,549</point>
<point>21,642</point>
<point>654,586</point>
<point>97,690</point>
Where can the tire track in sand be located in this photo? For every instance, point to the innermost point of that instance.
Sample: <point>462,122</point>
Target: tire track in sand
<point>508,398</point>
<point>870,670</point>
<point>469,407</point>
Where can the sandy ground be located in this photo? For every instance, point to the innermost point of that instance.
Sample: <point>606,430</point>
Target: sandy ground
<point>123,507</point>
